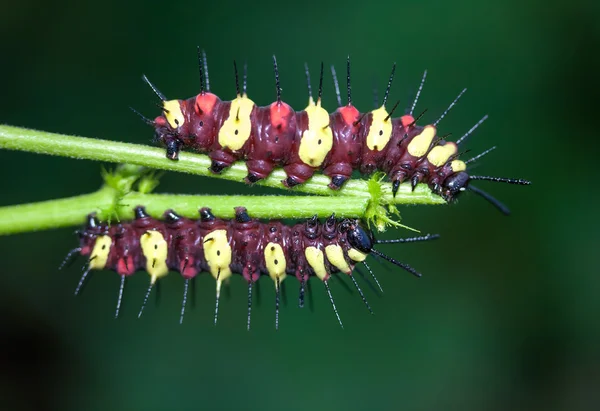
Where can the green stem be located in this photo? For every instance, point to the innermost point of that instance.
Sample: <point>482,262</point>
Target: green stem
<point>72,211</point>
<point>14,138</point>
<point>54,213</point>
<point>267,207</point>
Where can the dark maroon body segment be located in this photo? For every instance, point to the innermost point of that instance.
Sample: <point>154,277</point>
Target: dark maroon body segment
<point>346,154</point>
<point>271,142</point>
<point>247,238</point>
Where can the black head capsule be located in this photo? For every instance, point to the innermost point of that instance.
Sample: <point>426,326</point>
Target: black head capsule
<point>359,238</point>
<point>456,183</point>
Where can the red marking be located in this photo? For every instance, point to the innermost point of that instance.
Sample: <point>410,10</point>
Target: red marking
<point>205,103</point>
<point>186,268</point>
<point>160,121</point>
<point>407,120</point>
<point>125,265</point>
<point>350,114</point>
<point>85,250</point>
<point>279,114</point>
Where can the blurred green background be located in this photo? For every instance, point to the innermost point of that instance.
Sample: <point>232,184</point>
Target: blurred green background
<point>506,314</point>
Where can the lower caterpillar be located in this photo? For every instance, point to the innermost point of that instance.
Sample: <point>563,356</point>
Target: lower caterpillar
<point>242,245</point>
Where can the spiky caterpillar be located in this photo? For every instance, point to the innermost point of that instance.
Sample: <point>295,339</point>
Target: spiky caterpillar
<point>242,245</point>
<point>312,139</point>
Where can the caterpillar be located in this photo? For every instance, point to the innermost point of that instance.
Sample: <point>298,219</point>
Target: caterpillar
<point>242,245</point>
<point>312,139</point>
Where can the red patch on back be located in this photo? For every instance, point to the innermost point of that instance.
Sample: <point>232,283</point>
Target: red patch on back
<point>350,114</point>
<point>279,114</point>
<point>125,265</point>
<point>187,269</point>
<point>205,103</point>
<point>407,120</point>
<point>160,121</point>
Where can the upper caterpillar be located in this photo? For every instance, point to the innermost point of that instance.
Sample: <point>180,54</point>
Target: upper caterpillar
<point>312,139</point>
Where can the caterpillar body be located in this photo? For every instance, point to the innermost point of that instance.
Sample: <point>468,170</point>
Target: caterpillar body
<point>305,141</point>
<point>223,248</point>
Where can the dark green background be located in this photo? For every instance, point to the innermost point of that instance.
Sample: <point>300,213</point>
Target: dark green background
<point>506,315</point>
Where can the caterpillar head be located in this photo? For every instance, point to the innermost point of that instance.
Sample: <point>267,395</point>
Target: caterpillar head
<point>362,242</point>
<point>359,238</point>
<point>168,127</point>
<point>454,184</point>
<point>87,237</point>
<point>461,181</point>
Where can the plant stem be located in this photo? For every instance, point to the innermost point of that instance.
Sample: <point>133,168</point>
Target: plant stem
<point>14,138</point>
<point>72,211</point>
<point>53,213</point>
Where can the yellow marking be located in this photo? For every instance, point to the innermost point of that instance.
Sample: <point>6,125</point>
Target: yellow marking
<point>380,131</point>
<point>335,255</point>
<point>275,261</point>
<point>356,255</point>
<point>311,102</point>
<point>317,140</point>
<point>155,249</point>
<point>316,260</point>
<point>217,252</point>
<point>173,113</point>
<point>439,155</point>
<point>421,142</point>
<point>236,130</point>
<point>100,252</point>
<point>458,165</point>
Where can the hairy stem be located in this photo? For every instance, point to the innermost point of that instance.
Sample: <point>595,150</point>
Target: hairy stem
<point>72,211</point>
<point>54,213</point>
<point>14,138</point>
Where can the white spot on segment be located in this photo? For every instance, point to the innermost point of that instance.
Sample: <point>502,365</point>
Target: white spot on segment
<point>335,255</point>
<point>275,261</point>
<point>173,113</point>
<point>316,260</point>
<point>217,253</point>
<point>458,165</point>
<point>236,130</point>
<point>99,254</point>
<point>357,255</point>
<point>155,249</point>
<point>317,139</point>
<point>421,142</point>
<point>439,155</point>
<point>380,130</point>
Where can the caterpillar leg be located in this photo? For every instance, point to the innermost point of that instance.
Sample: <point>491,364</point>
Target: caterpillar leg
<point>339,174</point>
<point>297,173</point>
<point>257,170</point>
<point>396,181</point>
<point>220,161</point>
